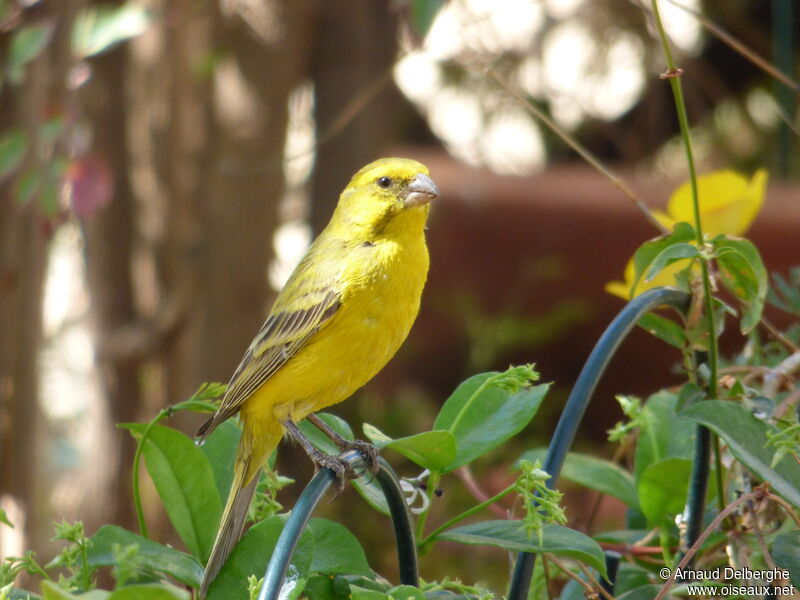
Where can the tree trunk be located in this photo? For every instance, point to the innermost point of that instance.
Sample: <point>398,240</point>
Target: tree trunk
<point>109,242</point>
<point>23,261</point>
<point>353,56</point>
<point>265,60</point>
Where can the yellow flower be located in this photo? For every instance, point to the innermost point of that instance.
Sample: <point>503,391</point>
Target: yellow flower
<point>664,278</point>
<point>729,203</point>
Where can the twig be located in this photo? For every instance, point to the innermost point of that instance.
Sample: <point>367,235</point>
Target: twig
<point>780,373</point>
<point>431,537</point>
<point>590,592</point>
<point>348,113</point>
<point>757,494</point>
<point>615,180</point>
<point>776,333</point>
<point>786,506</point>
<point>787,403</point>
<point>631,550</point>
<point>598,500</point>
<point>739,47</point>
<point>761,543</point>
<point>547,581</point>
<point>593,579</point>
<point>465,475</point>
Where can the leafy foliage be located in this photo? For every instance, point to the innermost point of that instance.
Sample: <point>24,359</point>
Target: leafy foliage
<point>654,472</point>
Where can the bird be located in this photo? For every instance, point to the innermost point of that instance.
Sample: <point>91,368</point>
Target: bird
<point>341,316</point>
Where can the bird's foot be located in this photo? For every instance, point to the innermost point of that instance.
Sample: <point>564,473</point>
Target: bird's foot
<point>367,450</point>
<point>342,470</point>
<point>342,467</point>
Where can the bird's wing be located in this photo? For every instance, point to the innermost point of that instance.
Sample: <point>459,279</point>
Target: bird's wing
<point>283,334</point>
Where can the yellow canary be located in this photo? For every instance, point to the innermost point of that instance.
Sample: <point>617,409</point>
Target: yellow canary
<point>341,316</point>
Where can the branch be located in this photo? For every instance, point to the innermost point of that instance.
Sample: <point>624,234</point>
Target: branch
<point>758,494</point>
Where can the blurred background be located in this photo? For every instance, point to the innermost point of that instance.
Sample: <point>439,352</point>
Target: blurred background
<point>165,163</point>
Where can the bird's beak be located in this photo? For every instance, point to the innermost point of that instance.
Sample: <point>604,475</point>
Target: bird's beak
<point>421,190</point>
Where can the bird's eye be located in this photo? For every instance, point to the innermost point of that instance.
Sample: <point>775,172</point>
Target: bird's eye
<point>384,182</point>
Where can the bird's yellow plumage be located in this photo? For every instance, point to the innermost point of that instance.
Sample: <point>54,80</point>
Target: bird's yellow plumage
<point>342,315</point>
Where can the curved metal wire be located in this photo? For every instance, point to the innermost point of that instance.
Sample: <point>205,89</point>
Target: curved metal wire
<point>562,440</point>
<point>307,502</point>
<point>579,398</point>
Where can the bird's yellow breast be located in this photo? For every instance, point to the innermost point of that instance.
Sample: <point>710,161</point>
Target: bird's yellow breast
<point>380,296</point>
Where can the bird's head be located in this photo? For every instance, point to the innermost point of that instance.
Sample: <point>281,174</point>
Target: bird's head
<point>386,196</point>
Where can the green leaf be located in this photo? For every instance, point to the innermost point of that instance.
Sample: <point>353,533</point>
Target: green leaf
<point>644,592</point>
<point>742,271</point>
<point>150,591</point>
<point>360,593</point>
<point>17,594</point>
<point>662,487</point>
<point>664,329</point>
<point>432,450</point>
<point>662,433</point>
<point>423,12</point>
<point>326,587</point>
<point>28,185</point>
<point>594,473</point>
<point>51,129</point>
<point>511,535</point>
<point>185,482</point>
<point>162,559</point>
<point>99,28</point>
<point>670,254</point>
<point>27,43</point>
<point>786,554</point>
<point>406,592</point>
<point>647,253</point>
<point>785,293</point>
<point>220,450</point>
<point>336,550</point>
<point>4,519</point>
<point>487,409</point>
<point>49,196</point>
<point>630,576</point>
<point>50,591</point>
<point>13,146</point>
<point>572,590</point>
<point>366,486</point>
<point>322,441</point>
<point>746,437</point>
<point>201,406</point>
<point>251,555</point>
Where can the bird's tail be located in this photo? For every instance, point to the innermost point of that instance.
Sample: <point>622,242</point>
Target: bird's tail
<point>253,451</point>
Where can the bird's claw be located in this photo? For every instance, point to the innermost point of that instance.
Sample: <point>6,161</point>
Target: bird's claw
<point>341,470</point>
<point>367,450</point>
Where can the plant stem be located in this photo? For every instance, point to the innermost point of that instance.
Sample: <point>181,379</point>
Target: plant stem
<point>433,483</point>
<point>137,457</point>
<point>615,180</point>
<point>85,574</point>
<point>663,538</point>
<point>718,474</point>
<point>34,567</point>
<point>477,508</point>
<point>673,74</point>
